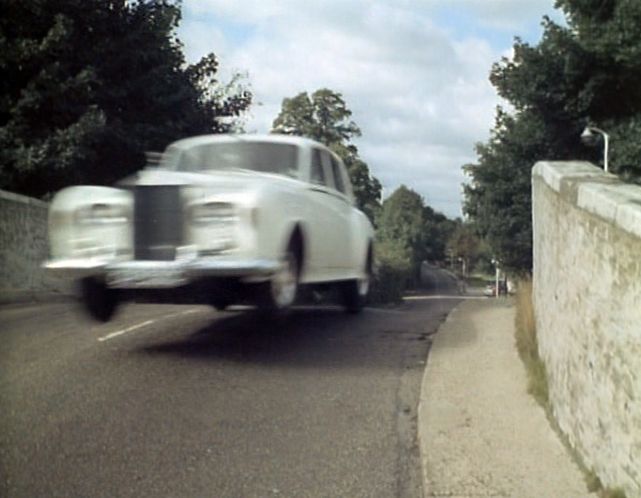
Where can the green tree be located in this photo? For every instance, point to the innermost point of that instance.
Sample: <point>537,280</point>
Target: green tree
<point>498,199</point>
<point>393,272</point>
<point>464,246</point>
<point>409,232</point>
<point>406,222</point>
<point>438,230</point>
<point>92,84</point>
<point>402,220</point>
<point>587,72</point>
<point>324,117</point>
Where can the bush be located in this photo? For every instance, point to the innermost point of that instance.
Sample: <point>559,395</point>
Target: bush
<point>392,271</point>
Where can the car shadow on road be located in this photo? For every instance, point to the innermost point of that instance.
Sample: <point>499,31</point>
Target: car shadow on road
<point>323,337</point>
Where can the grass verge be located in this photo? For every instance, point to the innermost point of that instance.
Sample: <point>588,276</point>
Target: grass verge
<point>527,345</point>
<point>528,348</point>
<point>476,281</point>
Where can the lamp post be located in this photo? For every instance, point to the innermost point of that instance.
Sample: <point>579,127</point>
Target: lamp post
<point>495,262</point>
<point>588,138</point>
<point>463,266</point>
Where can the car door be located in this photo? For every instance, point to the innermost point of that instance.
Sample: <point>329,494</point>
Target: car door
<point>339,205</point>
<point>320,214</point>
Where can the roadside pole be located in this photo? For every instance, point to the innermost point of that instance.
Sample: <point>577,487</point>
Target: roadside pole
<point>496,277</point>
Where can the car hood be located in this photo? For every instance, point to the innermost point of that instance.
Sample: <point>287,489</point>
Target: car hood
<point>227,180</point>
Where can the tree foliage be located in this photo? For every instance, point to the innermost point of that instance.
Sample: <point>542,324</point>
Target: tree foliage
<point>437,229</point>
<point>393,272</point>
<point>415,229</point>
<point>585,73</point>
<point>465,246</point>
<point>89,85</point>
<point>324,117</point>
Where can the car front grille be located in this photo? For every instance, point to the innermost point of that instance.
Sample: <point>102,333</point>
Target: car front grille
<point>158,222</point>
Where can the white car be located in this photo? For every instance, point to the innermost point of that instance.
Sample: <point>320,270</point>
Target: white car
<point>221,219</point>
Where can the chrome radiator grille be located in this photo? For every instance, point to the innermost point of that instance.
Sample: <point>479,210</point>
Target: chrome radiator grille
<point>158,222</point>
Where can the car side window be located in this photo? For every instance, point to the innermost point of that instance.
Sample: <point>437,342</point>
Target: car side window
<point>317,175</point>
<point>338,177</point>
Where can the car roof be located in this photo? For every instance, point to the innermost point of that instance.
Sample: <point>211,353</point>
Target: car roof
<point>197,141</point>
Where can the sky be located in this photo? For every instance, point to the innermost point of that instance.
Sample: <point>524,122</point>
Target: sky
<point>414,73</point>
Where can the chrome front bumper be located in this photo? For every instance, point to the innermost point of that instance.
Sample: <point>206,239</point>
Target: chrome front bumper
<point>161,274</point>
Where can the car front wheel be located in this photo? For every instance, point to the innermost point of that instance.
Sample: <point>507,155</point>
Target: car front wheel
<point>281,290</point>
<point>99,301</point>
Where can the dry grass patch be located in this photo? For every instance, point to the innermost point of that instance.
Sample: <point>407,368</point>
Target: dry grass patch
<point>595,486</point>
<point>528,348</point>
<point>527,345</point>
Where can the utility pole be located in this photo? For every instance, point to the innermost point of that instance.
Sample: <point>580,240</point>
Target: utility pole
<point>495,262</point>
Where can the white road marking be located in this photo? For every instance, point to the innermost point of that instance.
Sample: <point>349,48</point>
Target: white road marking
<point>124,331</point>
<point>118,333</point>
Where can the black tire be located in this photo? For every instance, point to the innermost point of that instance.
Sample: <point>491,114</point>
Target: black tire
<point>98,300</point>
<point>220,305</point>
<point>280,291</point>
<point>222,294</point>
<point>354,293</point>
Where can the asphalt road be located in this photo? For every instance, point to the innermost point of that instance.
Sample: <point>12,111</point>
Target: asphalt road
<point>186,401</point>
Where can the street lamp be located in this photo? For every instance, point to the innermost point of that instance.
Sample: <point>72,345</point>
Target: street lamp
<point>462,261</point>
<point>588,138</point>
<point>495,262</point>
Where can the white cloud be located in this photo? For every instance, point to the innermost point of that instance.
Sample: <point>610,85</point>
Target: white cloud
<point>506,15</point>
<point>200,38</point>
<point>419,91</point>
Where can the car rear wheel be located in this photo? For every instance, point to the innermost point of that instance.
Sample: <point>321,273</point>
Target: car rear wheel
<point>355,292</point>
<point>98,300</point>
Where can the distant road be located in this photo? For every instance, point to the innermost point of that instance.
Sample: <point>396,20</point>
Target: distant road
<point>436,280</point>
<point>185,401</point>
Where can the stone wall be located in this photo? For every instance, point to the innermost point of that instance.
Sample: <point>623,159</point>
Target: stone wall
<point>23,248</point>
<point>587,298</point>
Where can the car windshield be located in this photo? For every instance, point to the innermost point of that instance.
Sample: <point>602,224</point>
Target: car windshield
<point>265,157</point>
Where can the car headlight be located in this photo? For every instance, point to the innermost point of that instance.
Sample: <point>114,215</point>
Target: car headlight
<point>214,226</point>
<point>213,213</point>
<point>101,214</point>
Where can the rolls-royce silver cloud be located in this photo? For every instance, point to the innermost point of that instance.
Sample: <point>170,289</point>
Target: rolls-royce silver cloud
<point>220,219</point>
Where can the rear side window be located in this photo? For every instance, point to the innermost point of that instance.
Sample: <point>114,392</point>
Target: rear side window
<point>317,174</point>
<point>338,176</point>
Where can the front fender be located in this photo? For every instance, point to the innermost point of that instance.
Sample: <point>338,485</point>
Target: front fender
<point>278,213</point>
